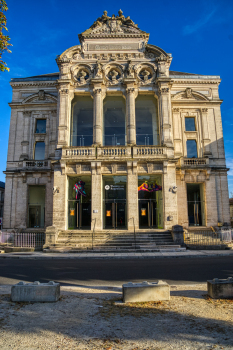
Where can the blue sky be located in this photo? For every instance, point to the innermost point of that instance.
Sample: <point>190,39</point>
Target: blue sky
<point>199,34</point>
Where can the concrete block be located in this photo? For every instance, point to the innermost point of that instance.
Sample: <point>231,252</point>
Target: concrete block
<point>36,292</point>
<point>145,291</point>
<point>220,289</point>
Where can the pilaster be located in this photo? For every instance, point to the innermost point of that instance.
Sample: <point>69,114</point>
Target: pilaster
<point>96,196</point>
<point>64,109</point>
<point>165,114</point>
<point>132,195</point>
<point>170,196</point>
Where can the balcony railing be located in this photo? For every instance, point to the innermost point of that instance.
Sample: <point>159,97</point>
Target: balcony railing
<point>36,164</point>
<point>114,152</point>
<point>194,162</point>
<point>149,151</point>
<point>79,153</point>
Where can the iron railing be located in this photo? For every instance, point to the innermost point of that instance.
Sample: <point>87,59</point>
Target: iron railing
<point>207,237</point>
<point>23,239</point>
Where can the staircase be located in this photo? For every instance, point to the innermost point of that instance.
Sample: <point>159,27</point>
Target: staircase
<point>114,241</point>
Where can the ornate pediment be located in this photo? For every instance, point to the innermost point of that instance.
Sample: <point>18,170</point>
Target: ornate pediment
<point>114,26</point>
<point>189,94</point>
<point>40,98</point>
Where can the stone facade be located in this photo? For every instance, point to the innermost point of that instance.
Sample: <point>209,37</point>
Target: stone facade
<point>2,191</point>
<point>114,60</point>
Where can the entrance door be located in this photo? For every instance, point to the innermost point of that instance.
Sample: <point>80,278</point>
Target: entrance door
<point>34,216</point>
<point>115,215</point>
<point>148,213</point>
<point>195,205</point>
<point>83,215</point>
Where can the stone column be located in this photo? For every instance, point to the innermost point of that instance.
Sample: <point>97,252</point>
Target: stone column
<point>170,196</point>
<point>130,116</point>
<point>211,202</point>
<point>132,196</point>
<point>98,117</point>
<point>8,201</point>
<point>64,108</point>
<point>165,116</point>
<point>96,196</point>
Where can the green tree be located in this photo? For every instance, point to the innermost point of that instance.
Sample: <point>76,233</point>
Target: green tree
<point>4,39</point>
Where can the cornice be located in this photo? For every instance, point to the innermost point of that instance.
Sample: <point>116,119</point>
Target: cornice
<point>195,81</point>
<point>32,83</point>
<point>197,102</point>
<point>32,105</point>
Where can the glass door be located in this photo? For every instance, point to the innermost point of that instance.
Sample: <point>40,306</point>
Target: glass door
<point>114,197</point>
<point>148,214</point>
<point>195,205</point>
<point>79,203</point>
<point>115,215</point>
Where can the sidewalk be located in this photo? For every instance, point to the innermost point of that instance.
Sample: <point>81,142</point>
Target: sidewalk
<point>87,318</point>
<point>101,255</point>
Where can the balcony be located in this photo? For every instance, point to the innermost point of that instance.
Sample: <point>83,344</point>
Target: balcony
<point>114,152</point>
<point>194,162</point>
<point>36,164</point>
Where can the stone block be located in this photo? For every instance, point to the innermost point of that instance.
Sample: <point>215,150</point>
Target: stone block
<point>145,291</point>
<point>220,289</point>
<point>35,292</point>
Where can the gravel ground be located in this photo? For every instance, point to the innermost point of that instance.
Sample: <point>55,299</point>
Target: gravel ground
<point>87,318</point>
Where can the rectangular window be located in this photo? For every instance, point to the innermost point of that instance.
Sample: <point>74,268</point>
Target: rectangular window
<point>40,126</point>
<point>39,151</point>
<point>191,148</point>
<point>190,124</point>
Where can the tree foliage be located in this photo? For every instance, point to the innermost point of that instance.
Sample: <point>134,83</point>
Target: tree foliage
<point>4,39</point>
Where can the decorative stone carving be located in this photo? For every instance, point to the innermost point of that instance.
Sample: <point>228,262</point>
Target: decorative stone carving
<point>176,110</point>
<point>188,92</point>
<point>64,91</point>
<point>145,72</point>
<point>82,74</point>
<point>97,91</point>
<point>130,70</point>
<point>163,90</point>
<point>98,70</point>
<point>41,95</point>
<point>114,26</point>
<point>204,110</point>
<point>113,74</point>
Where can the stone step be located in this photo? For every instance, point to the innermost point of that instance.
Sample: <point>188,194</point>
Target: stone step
<point>137,250</point>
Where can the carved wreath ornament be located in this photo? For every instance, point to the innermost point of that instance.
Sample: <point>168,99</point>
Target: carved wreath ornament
<point>113,75</point>
<point>82,75</point>
<point>145,73</point>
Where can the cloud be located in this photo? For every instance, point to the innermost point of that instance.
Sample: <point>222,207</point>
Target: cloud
<point>190,29</point>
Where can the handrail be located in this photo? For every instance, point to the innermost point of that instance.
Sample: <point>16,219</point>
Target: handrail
<point>93,233</point>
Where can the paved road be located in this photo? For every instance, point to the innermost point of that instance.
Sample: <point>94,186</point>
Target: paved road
<point>104,272</point>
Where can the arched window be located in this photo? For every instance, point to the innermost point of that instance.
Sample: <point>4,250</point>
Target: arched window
<point>81,121</point>
<point>114,121</point>
<point>147,129</point>
<point>39,153</point>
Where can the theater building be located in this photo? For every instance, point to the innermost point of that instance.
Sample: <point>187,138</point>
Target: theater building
<point>115,140</point>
